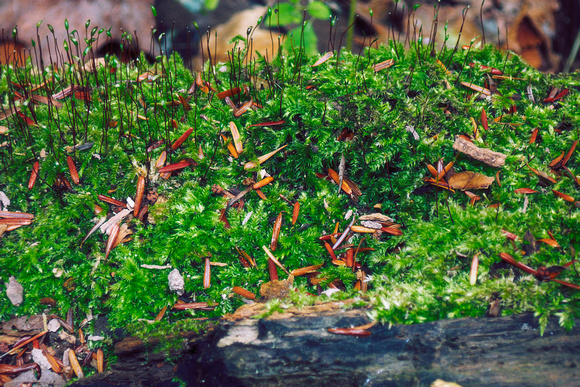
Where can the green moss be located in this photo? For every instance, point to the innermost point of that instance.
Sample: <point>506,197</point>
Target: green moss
<point>419,276</point>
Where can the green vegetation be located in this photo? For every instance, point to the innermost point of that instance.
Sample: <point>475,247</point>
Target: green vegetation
<point>396,121</point>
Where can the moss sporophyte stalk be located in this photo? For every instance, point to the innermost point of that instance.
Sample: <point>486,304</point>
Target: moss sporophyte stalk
<point>198,170</point>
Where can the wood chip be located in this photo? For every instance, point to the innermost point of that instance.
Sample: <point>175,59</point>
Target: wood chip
<point>487,156</point>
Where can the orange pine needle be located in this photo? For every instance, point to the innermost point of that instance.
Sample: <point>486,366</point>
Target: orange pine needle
<point>73,170</point>
<point>33,175</point>
<point>244,293</point>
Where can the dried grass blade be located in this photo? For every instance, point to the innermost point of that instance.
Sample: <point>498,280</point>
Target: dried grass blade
<point>479,89</point>
<point>112,238</point>
<point>323,59</point>
<point>263,158</point>
<point>236,137</point>
<point>276,232</point>
<point>207,274</point>
<point>273,258</point>
<point>383,65</point>
<point>474,267</point>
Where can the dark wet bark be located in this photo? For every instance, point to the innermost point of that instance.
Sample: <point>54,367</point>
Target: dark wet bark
<point>300,350</point>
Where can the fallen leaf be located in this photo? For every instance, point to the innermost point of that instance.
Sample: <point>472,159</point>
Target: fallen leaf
<point>469,180</point>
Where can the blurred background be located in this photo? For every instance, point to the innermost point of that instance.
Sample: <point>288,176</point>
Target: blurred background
<point>545,33</point>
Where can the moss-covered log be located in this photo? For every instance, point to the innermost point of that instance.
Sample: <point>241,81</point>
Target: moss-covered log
<point>297,349</point>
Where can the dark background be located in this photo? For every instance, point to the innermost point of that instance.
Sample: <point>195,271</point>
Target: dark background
<point>543,32</point>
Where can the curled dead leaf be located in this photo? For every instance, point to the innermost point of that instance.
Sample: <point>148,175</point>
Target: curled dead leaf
<point>469,180</point>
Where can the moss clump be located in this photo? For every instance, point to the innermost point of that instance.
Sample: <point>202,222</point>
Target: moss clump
<point>396,121</point>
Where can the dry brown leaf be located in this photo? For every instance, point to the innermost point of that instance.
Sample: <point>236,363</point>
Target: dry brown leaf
<point>469,180</point>
<point>487,156</point>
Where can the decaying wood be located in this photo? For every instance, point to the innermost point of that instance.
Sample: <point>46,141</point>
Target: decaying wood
<point>487,156</point>
<point>296,348</point>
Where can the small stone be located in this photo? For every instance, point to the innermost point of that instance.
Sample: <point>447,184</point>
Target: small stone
<point>65,358</point>
<point>4,201</point>
<point>40,359</point>
<point>176,282</point>
<point>95,338</point>
<point>14,291</point>
<point>47,378</point>
<point>371,224</point>
<point>53,325</point>
<point>58,272</point>
<point>66,337</point>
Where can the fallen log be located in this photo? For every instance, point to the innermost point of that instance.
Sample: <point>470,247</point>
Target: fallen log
<point>299,350</point>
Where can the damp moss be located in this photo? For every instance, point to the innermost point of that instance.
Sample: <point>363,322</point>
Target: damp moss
<point>396,121</point>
